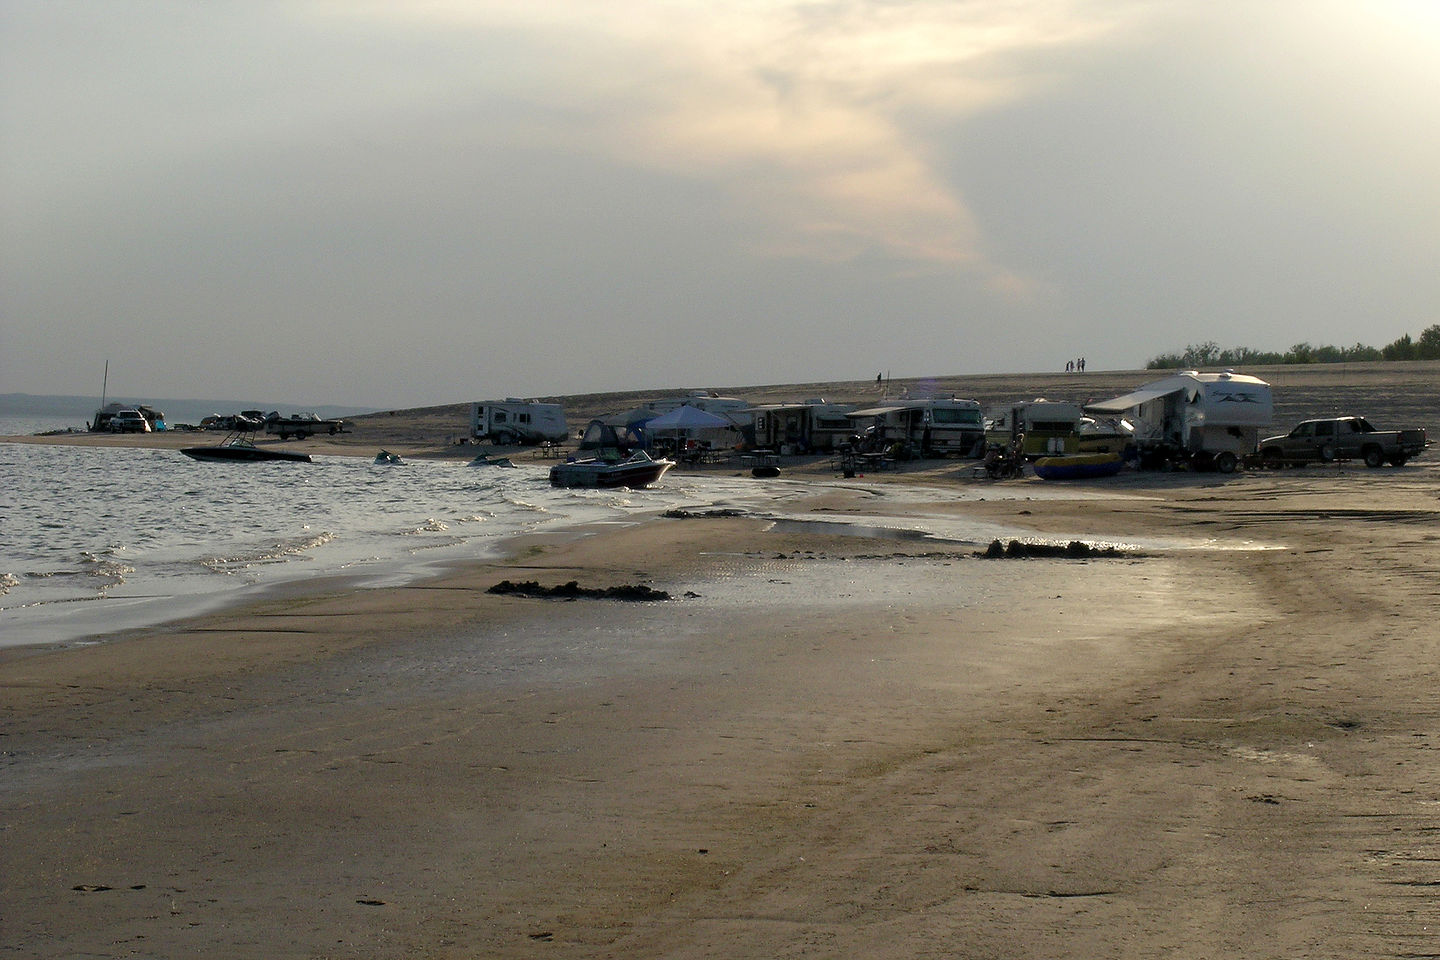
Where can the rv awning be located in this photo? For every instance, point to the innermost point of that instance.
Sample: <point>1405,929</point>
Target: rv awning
<point>1131,400</point>
<point>875,411</point>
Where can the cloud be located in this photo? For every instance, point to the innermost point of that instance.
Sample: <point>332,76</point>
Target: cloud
<point>810,115</point>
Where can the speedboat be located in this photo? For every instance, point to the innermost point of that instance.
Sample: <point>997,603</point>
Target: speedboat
<point>608,462</point>
<point>386,458</point>
<point>1083,467</point>
<point>238,448</point>
<point>482,460</point>
<point>636,471</point>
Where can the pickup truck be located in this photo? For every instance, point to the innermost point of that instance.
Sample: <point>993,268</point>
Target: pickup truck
<point>1341,438</point>
<point>301,425</point>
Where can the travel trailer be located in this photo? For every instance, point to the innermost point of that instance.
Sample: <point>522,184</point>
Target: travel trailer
<point>934,426</point>
<point>1205,420</point>
<point>802,427</point>
<point>512,421</point>
<point>1049,428</point>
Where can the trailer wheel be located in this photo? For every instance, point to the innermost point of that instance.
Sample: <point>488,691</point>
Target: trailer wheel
<point>1327,452</point>
<point>284,435</point>
<point>1398,460</point>
<point>1226,462</point>
<point>1271,459</point>
<point>1373,457</point>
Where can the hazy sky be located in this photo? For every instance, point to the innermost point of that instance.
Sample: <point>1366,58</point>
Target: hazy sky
<point>400,204</point>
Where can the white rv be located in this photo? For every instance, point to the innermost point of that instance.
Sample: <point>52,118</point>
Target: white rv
<point>1048,428</point>
<point>1209,420</point>
<point>935,426</point>
<point>513,420</point>
<point>802,427</point>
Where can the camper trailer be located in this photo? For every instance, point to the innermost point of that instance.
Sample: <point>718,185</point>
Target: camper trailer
<point>802,427</point>
<point>1049,428</point>
<point>1205,420</point>
<point>933,426</point>
<point>513,421</point>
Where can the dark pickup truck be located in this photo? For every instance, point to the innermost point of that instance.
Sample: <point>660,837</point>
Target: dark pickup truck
<point>1341,438</point>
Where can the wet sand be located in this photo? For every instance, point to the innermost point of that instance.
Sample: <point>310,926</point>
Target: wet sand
<point>827,744</point>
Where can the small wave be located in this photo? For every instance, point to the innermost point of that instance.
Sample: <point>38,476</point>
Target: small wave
<point>7,581</point>
<point>276,552</point>
<point>431,525</point>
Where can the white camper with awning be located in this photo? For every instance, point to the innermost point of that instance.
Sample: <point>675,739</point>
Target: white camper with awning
<point>934,425</point>
<point>1206,419</point>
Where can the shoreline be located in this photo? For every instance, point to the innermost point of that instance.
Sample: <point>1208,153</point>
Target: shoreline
<point>846,745</point>
<point>831,747</point>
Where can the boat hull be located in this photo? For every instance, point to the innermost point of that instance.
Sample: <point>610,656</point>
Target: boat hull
<point>600,474</point>
<point>224,454</point>
<point>1079,468</point>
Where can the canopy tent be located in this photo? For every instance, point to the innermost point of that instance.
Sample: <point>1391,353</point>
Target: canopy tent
<point>688,418</point>
<point>1132,400</point>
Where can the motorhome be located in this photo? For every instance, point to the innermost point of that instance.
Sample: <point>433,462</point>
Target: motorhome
<point>933,426</point>
<point>1048,428</point>
<point>1205,420</point>
<point>802,427</point>
<point>513,421</point>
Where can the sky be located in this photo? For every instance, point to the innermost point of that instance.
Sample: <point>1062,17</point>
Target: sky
<point>397,204</point>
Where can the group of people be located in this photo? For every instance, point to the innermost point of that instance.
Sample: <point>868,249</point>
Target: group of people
<point>1075,366</point>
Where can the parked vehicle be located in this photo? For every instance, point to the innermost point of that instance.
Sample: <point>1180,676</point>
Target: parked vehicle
<point>1209,421</point>
<point>301,425</point>
<point>129,421</point>
<point>1047,428</point>
<point>802,427</point>
<point>1342,438</point>
<point>935,426</point>
<point>510,421</point>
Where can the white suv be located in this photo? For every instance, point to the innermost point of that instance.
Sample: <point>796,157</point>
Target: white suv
<point>129,421</point>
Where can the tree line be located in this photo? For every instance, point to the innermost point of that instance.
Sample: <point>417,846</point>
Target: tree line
<point>1209,353</point>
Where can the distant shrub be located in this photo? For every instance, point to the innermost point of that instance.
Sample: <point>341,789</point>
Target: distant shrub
<point>1210,354</point>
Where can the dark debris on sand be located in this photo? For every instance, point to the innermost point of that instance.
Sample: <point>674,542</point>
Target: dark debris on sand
<point>679,513</point>
<point>1074,550</point>
<point>635,592</point>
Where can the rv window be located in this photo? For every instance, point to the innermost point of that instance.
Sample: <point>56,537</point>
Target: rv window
<point>499,416</point>
<point>1051,426</point>
<point>947,415</point>
<point>522,418</point>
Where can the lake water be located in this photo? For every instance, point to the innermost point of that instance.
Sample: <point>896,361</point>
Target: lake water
<point>99,539</point>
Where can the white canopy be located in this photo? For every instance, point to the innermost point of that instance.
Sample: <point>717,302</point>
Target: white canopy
<point>687,418</point>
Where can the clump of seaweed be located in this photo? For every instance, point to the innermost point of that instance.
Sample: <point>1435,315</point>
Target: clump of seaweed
<point>1074,550</point>
<point>632,592</point>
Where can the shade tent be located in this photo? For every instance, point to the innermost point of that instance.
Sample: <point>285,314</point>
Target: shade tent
<point>688,418</point>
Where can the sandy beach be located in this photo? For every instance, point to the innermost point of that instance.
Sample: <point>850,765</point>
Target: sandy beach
<point>828,743</point>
